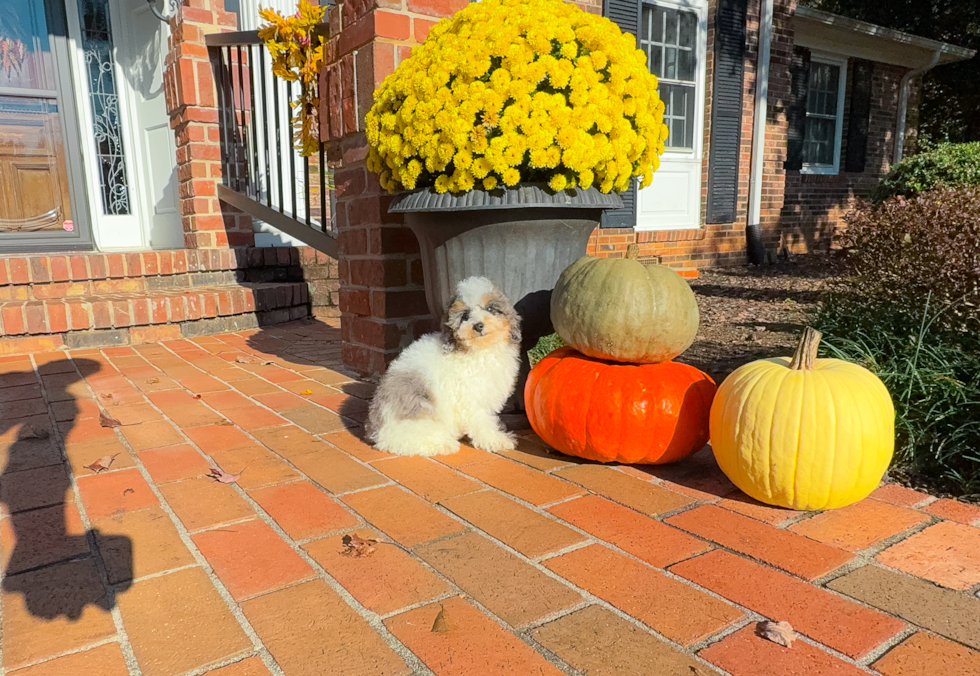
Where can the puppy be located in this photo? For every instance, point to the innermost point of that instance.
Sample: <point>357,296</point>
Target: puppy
<point>454,383</point>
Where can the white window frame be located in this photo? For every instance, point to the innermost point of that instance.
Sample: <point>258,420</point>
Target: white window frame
<point>699,7</point>
<point>841,62</point>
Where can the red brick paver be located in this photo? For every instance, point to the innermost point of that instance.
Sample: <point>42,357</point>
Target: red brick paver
<point>540,563</point>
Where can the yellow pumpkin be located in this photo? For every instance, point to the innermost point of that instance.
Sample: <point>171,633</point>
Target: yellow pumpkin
<point>803,433</point>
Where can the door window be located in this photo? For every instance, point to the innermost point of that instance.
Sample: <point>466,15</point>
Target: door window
<point>669,37</point>
<point>34,180</point>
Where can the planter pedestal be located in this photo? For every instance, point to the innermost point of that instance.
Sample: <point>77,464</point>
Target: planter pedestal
<point>521,239</point>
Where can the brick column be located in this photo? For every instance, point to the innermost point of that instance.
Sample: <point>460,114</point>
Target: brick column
<point>192,106</point>
<point>382,300</point>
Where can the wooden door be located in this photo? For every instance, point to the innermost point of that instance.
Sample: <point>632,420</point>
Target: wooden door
<point>36,183</point>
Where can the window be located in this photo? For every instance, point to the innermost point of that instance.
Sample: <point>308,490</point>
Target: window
<point>824,116</point>
<point>670,38</point>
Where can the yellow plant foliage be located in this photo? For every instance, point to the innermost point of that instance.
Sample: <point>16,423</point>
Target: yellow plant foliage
<point>512,91</point>
<point>297,55</point>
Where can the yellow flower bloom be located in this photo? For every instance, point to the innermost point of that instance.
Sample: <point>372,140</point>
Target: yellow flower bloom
<point>580,103</point>
<point>558,182</point>
<point>511,176</point>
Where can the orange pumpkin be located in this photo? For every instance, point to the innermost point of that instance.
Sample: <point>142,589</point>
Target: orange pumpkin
<point>616,412</point>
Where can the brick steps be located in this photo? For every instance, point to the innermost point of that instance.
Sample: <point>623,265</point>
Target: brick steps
<point>98,300</point>
<point>122,318</point>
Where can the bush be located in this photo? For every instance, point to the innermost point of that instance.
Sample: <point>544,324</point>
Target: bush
<point>910,311</point>
<point>904,251</point>
<point>949,165</point>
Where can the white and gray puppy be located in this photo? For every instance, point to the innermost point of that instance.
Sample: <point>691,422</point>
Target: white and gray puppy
<point>454,383</point>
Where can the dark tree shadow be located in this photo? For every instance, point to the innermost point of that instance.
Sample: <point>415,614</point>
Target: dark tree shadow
<point>51,567</point>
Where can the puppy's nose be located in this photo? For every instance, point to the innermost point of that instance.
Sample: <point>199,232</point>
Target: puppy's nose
<point>478,327</point>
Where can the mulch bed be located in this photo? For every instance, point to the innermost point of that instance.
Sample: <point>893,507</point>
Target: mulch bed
<point>750,313</point>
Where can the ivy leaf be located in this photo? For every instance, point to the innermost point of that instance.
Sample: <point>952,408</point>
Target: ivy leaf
<point>223,477</point>
<point>106,421</point>
<point>357,547</point>
<point>102,464</point>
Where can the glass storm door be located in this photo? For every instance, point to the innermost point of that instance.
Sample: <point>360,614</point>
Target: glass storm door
<point>41,190</point>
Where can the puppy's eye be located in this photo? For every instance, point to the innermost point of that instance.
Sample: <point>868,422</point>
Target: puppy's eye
<point>465,316</point>
<point>493,309</point>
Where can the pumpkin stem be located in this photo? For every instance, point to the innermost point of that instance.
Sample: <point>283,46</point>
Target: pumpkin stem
<point>632,252</point>
<point>806,350</point>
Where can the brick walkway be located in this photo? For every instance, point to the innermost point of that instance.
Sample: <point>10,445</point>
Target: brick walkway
<point>539,565</point>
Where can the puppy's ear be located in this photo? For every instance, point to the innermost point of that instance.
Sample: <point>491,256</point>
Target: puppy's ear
<point>451,323</point>
<point>501,306</point>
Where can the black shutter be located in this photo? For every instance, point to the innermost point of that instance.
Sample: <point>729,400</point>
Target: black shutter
<point>796,109</point>
<point>859,116</point>
<point>626,14</point>
<point>726,111</point>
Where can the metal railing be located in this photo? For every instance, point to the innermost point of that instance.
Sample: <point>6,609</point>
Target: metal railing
<point>263,174</point>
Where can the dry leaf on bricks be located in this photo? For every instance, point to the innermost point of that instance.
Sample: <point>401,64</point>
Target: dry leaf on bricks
<point>106,421</point>
<point>357,547</point>
<point>441,625</point>
<point>224,477</point>
<point>778,632</point>
<point>31,432</point>
<point>102,464</point>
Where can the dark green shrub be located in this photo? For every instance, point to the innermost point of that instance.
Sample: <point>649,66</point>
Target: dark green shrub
<point>949,165</point>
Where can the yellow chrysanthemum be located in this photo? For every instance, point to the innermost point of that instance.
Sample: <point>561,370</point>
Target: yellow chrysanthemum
<point>558,182</point>
<point>580,103</point>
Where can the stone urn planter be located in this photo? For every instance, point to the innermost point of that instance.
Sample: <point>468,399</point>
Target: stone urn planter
<point>520,238</point>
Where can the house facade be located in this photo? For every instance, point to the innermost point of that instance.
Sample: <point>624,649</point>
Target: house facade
<point>115,193</point>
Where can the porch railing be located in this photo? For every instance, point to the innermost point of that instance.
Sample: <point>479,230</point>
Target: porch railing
<point>263,175</point>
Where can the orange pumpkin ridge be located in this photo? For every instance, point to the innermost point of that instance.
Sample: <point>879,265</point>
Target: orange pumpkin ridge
<point>615,412</point>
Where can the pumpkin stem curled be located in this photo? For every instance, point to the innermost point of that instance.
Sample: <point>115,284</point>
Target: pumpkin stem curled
<point>806,350</point>
<point>632,252</point>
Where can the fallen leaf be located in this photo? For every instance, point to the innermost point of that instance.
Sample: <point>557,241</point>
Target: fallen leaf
<point>31,432</point>
<point>223,477</point>
<point>245,359</point>
<point>224,422</point>
<point>357,547</point>
<point>196,396</point>
<point>128,490</point>
<point>777,632</point>
<point>102,464</point>
<point>306,392</point>
<point>153,381</point>
<point>106,421</point>
<point>106,396</point>
<point>440,625</point>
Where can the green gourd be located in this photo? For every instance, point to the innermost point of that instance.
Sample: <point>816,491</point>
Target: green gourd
<point>623,310</point>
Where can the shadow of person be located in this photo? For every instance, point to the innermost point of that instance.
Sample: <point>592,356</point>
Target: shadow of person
<point>47,556</point>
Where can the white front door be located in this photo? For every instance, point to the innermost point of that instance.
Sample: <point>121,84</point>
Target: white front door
<point>673,33</point>
<point>141,40</point>
<point>128,146</point>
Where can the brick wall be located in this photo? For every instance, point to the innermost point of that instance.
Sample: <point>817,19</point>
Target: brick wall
<point>815,205</point>
<point>799,212</point>
<point>192,105</point>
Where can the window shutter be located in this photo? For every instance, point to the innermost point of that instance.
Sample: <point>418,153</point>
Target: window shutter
<point>796,109</point>
<point>726,111</point>
<point>859,116</point>
<point>626,14</point>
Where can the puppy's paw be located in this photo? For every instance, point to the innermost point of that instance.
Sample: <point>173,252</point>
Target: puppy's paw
<point>495,441</point>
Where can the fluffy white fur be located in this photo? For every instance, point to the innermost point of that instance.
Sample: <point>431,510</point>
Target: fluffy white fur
<point>452,384</point>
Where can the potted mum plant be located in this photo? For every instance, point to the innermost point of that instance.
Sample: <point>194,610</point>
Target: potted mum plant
<point>508,132</point>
